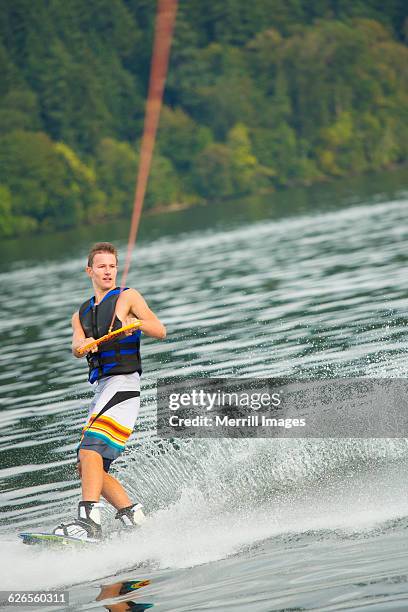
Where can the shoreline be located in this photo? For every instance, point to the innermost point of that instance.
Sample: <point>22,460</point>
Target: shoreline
<point>346,184</point>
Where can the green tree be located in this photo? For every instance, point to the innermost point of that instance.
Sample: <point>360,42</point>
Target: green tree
<point>47,180</point>
<point>11,224</point>
<point>19,110</point>
<point>180,138</point>
<point>164,185</point>
<point>6,217</point>
<point>212,172</point>
<point>277,149</point>
<point>246,172</point>
<point>84,197</point>
<point>116,168</point>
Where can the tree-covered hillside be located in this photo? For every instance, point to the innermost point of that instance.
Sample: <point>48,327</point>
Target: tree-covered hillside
<point>260,95</point>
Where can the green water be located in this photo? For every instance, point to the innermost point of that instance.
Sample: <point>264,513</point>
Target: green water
<point>307,282</point>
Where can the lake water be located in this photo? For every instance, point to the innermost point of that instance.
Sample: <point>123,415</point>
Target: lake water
<point>304,283</point>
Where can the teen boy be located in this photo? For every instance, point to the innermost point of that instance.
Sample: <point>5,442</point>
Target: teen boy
<point>115,370</point>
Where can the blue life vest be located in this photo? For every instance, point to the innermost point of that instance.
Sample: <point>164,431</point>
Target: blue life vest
<point>117,356</point>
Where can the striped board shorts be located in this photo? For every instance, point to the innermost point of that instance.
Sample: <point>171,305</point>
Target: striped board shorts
<point>112,415</point>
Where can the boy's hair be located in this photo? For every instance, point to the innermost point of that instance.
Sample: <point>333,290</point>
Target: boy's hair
<point>101,247</point>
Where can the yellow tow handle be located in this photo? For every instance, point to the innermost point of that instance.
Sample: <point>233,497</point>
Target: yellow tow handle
<point>108,336</point>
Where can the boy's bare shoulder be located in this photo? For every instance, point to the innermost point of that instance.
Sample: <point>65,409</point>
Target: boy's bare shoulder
<point>132,294</point>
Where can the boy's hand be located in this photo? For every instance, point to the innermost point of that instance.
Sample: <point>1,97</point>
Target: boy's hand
<point>129,321</point>
<point>85,341</point>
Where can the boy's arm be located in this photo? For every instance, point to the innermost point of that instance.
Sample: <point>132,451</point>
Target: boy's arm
<point>78,337</point>
<point>150,324</point>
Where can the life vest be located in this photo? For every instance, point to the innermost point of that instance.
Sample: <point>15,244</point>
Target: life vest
<point>116,356</point>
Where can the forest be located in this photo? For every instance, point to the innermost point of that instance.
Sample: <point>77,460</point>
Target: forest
<point>260,95</point>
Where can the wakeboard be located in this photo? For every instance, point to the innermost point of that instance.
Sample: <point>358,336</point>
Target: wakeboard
<point>50,539</point>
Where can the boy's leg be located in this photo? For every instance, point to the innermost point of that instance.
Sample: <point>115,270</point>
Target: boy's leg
<point>114,493</point>
<point>95,481</point>
<point>89,471</point>
<point>91,474</point>
<point>88,524</point>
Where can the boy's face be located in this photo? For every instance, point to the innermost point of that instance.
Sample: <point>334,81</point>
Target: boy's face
<point>103,271</point>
